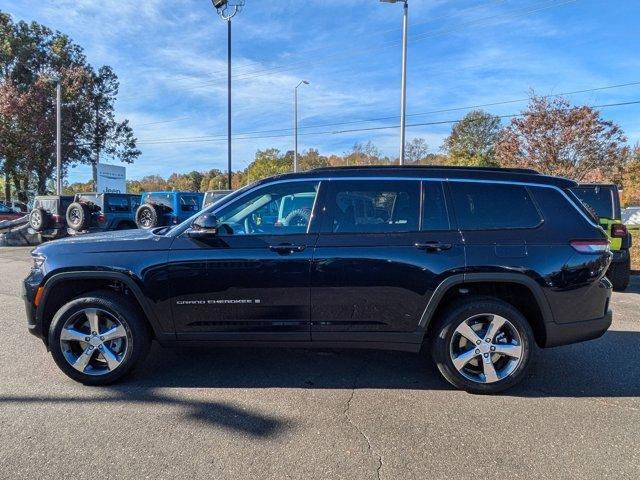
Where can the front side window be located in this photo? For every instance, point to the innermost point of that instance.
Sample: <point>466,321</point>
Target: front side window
<point>366,206</point>
<point>488,206</point>
<point>278,209</point>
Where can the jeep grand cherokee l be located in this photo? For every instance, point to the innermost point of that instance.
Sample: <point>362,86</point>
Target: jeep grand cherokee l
<point>475,266</point>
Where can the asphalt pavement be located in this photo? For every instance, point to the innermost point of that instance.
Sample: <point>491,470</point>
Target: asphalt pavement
<point>317,414</point>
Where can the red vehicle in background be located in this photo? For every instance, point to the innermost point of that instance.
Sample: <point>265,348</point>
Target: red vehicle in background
<point>7,213</point>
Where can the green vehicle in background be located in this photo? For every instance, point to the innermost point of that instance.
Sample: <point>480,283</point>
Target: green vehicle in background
<point>603,201</point>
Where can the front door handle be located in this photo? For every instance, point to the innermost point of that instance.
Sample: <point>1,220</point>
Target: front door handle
<point>287,248</point>
<point>433,246</point>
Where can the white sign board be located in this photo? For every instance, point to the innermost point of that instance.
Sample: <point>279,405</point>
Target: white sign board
<point>111,179</point>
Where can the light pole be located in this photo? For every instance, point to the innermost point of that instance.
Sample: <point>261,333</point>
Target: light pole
<point>226,11</point>
<point>295,125</point>
<point>403,101</point>
<point>58,133</point>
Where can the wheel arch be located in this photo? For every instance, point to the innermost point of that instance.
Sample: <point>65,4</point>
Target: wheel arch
<point>62,287</point>
<point>519,290</point>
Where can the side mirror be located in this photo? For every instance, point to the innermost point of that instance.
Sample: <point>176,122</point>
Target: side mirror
<point>206,225</point>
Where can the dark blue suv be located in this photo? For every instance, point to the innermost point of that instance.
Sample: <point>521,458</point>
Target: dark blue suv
<point>167,208</point>
<point>474,266</point>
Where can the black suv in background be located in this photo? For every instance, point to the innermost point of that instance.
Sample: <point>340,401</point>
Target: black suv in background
<point>48,216</point>
<point>475,266</point>
<point>102,212</point>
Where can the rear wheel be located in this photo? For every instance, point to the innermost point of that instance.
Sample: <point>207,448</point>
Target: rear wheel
<point>98,338</point>
<point>483,345</point>
<point>619,274</point>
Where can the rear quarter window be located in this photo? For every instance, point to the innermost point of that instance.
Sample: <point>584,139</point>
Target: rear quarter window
<point>493,206</point>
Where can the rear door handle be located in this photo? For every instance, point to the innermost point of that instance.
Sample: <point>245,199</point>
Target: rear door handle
<point>286,248</point>
<point>433,246</point>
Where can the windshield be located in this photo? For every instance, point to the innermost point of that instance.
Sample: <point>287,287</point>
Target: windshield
<point>178,229</point>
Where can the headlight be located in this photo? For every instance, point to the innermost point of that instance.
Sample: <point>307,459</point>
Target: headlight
<point>38,261</point>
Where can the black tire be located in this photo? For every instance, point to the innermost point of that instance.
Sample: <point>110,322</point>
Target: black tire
<point>297,218</point>
<point>78,216</point>
<point>127,314</point>
<point>441,342</point>
<point>39,219</point>
<point>619,274</point>
<point>149,216</point>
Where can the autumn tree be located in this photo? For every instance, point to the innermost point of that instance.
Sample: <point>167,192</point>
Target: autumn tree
<point>415,151</point>
<point>555,138</point>
<point>473,139</point>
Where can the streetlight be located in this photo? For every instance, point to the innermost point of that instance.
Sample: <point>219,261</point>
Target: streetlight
<point>226,11</point>
<point>295,125</point>
<point>58,82</point>
<point>403,101</point>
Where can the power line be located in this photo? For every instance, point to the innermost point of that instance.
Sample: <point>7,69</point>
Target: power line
<point>393,117</point>
<point>369,129</point>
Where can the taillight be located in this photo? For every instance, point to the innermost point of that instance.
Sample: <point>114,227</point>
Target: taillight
<point>590,246</point>
<point>175,220</point>
<point>102,219</point>
<point>56,218</point>
<point>618,230</point>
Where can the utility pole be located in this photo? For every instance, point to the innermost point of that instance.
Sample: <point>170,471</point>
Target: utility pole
<point>403,94</point>
<point>226,11</point>
<point>58,137</point>
<point>295,125</point>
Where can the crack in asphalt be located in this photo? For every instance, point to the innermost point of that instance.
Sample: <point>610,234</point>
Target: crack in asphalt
<point>362,434</point>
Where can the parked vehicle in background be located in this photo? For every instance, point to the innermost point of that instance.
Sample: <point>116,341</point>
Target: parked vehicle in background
<point>8,213</point>
<point>631,218</point>
<point>101,212</point>
<point>603,200</point>
<point>18,207</point>
<point>213,196</point>
<point>48,216</point>
<point>158,209</point>
<point>475,266</point>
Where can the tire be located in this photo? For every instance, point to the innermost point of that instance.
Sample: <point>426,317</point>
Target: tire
<point>78,216</point>
<point>129,346</point>
<point>297,218</point>
<point>149,216</point>
<point>447,343</point>
<point>39,219</point>
<point>619,274</point>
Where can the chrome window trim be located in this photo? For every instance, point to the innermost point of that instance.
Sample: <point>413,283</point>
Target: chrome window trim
<point>413,178</point>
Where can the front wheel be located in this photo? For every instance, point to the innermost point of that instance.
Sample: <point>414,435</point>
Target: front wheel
<point>483,345</point>
<point>98,338</point>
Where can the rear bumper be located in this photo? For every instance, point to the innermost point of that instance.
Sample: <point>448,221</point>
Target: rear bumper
<point>565,333</point>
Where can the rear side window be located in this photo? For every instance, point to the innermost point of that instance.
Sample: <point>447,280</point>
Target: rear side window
<point>374,207</point>
<point>117,204</point>
<point>487,206</point>
<point>161,199</point>
<point>189,203</point>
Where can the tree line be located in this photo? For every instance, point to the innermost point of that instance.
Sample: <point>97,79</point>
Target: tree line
<point>33,58</point>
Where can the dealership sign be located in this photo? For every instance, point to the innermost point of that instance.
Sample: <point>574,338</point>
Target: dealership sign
<point>111,179</point>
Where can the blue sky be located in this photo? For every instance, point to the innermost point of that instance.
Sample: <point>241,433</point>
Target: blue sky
<point>170,57</point>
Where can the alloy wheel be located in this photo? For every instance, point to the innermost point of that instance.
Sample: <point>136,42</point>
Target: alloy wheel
<point>94,341</point>
<point>486,348</point>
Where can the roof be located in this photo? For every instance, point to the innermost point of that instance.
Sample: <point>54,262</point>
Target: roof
<point>432,171</point>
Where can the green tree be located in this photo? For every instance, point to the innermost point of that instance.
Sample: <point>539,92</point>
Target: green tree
<point>473,139</point>
<point>267,163</point>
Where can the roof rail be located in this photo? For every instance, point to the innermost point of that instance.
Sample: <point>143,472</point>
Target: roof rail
<point>430,167</point>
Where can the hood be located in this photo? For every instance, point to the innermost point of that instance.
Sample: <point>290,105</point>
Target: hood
<point>116,241</point>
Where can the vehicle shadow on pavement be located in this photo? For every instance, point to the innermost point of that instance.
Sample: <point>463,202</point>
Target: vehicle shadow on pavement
<point>606,367</point>
<point>215,414</point>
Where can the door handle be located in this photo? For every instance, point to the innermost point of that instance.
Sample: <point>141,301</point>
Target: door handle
<point>433,246</point>
<point>286,248</point>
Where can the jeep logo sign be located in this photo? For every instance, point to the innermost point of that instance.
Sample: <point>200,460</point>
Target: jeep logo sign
<point>111,179</point>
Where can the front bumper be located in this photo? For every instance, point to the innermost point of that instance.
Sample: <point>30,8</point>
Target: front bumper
<point>565,333</point>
